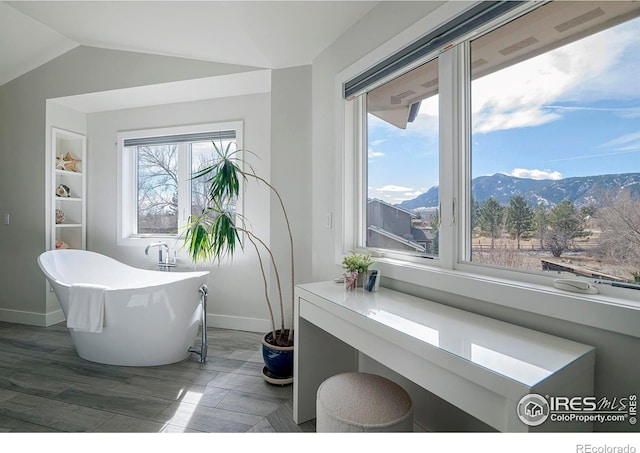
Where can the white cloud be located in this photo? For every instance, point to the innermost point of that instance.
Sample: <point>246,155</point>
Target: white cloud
<point>625,144</point>
<point>373,154</point>
<point>519,96</point>
<point>379,142</point>
<point>393,188</point>
<point>535,174</point>
<point>624,150</point>
<point>395,194</point>
<point>623,141</point>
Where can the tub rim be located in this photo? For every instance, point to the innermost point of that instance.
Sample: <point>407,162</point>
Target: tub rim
<point>182,275</point>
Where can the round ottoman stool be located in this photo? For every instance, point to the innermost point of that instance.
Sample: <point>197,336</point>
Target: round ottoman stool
<point>362,402</point>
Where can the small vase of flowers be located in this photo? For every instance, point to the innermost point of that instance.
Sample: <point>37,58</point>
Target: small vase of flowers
<point>356,269</point>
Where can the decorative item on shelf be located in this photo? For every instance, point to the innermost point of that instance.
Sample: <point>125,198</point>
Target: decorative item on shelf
<point>359,264</point>
<point>63,191</point>
<point>68,163</point>
<point>59,216</point>
<point>60,163</point>
<point>61,245</point>
<point>351,280</point>
<point>373,282</point>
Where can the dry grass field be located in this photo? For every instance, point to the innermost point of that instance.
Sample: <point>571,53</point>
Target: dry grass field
<point>530,254</point>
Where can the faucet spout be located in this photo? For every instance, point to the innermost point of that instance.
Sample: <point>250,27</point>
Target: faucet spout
<point>163,263</point>
<point>155,244</point>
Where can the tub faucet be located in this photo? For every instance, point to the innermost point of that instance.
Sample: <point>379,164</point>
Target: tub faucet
<point>163,263</point>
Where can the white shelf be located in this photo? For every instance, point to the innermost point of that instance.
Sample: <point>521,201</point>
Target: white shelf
<point>68,173</point>
<point>73,231</point>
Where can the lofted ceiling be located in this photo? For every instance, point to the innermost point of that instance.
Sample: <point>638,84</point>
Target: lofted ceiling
<point>267,34</point>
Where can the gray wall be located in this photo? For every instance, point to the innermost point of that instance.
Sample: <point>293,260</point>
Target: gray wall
<point>291,174</point>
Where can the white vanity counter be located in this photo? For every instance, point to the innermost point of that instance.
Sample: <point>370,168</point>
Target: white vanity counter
<point>481,365</point>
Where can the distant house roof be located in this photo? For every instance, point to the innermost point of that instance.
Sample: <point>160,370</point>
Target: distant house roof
<point>376,200</point>
<point>421,235</point>
<point>399,239</point>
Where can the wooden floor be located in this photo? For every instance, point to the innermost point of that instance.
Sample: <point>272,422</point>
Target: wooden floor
<point>46,387</point>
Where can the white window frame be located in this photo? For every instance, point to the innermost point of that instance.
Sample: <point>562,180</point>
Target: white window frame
<point>612,309</point>
<point>127,179</point>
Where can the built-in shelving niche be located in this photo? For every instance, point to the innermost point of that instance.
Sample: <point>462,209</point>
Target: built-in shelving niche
<point>69,230</point>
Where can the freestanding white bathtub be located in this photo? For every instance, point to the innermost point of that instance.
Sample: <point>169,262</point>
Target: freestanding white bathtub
<point>150,317</point>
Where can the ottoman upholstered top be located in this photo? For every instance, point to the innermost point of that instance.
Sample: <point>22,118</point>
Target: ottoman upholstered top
<point>364,402</point>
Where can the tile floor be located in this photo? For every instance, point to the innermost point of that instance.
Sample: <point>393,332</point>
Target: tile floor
<point>46,387</point>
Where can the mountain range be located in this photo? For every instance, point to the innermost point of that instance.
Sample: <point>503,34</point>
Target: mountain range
<point>581,191</point>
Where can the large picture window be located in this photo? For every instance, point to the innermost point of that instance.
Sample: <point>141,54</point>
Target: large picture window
<point>158,192</point>
<point>402,162</point>
<point>555,100</point>
<point>515,147</point>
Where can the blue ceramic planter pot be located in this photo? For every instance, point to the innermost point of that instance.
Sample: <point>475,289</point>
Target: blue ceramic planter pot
<point>278,360</point>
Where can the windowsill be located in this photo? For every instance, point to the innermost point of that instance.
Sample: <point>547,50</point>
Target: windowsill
<point>606,312</point>
<point>143,240</point>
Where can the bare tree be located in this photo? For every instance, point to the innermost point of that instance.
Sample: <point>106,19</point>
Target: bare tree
<point>565,223</point>
<point>619,218</point>
<point>157,188</point>
<point>200,186</point>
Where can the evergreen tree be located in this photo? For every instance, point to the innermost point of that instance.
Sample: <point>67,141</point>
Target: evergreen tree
<point>541,222</point>
<point>519,217</point>
<point>490,217</point>
<point>475,212</point>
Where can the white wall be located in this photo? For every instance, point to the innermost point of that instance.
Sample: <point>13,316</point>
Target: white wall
<point>22,142</point>
<point>277,127</point>
<point>376,28</point>
<point>291,173</point>
<point>236,294</point>
<point>617,370</point>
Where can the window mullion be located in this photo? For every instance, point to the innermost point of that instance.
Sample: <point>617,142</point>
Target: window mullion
<point>361,169</point>
<point>463,155</point>
<point>184,183</point>
<point>452,144</point>
<point>132,202</point>
<point>353,202</point>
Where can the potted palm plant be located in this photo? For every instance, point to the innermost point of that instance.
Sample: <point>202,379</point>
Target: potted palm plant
<point>214,234</point>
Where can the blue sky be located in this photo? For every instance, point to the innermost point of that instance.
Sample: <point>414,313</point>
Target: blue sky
<point>574,111</point>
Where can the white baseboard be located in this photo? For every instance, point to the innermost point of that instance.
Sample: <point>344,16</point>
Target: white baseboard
<point>55,317</point>
<point>238,323</point>
<point>28,317</point>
